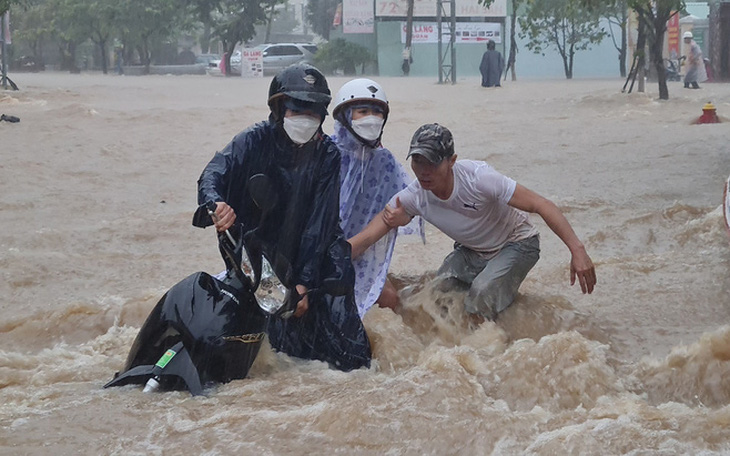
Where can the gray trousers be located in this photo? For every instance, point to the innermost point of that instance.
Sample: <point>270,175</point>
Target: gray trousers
<point>493,283</point>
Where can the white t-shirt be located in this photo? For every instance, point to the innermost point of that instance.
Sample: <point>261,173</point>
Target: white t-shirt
<point>476,214</point>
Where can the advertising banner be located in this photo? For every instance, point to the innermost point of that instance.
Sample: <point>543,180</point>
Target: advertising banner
<point>673,36</point>
<point>466,32</point>
<point>427,8</point>
<point>252,63</point>
<point>358,16</point>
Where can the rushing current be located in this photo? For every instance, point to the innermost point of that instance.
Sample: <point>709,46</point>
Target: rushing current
<point>97,191</point>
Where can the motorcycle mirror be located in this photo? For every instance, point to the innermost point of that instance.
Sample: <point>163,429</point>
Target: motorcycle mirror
<point>286,307</point>
<point>262,191</point>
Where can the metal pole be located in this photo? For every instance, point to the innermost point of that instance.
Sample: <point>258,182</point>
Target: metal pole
<point>439,5</point>
<point>409,38</point>
<point>453,42</point>
<point>4,49</point>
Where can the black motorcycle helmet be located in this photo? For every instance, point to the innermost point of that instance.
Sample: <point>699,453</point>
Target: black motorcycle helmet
<point>302,83</point>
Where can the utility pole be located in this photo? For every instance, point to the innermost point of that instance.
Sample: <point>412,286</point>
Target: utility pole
<point>409,23</point>
<point>3,49</point>
<point>407,56</point>
<point>447,72</point>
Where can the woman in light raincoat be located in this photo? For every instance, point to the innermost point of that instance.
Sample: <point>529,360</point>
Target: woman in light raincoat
<point>369,176</point>
<point>696,71</point>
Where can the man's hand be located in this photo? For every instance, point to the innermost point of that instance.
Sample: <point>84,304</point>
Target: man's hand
<point>224,217</point>
<point>303,304</point>
<point>582,267</point>
<point>396,216</point>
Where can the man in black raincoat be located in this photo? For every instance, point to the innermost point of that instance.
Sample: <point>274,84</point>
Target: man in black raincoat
<point>491,66</point>
<point>300,235</point>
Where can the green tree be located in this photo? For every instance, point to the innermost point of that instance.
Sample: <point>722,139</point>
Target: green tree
<point>564,24</point>
<point>5,4</point>
<point>235,23</point>
<point>144,23</point>
<point>653,16</point>
<point>320,14</point>
<point>32,27</point>
<point>617,16</point>
<point>202,10</point>
<point>283,21</point>
<point>512,56</point>
<point>340,54</point>
<point>68,30</point>
<point>279,19</point>
<point>100,16</point>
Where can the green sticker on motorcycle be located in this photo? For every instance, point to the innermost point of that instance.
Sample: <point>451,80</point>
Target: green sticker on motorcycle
<point>169,354</point>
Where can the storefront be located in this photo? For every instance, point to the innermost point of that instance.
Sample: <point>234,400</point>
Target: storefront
<point>381,26</point>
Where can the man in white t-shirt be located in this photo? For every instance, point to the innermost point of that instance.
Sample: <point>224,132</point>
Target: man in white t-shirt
<point>486,213</point>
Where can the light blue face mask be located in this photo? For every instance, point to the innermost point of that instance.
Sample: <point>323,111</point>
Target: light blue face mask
<point>301,129</point>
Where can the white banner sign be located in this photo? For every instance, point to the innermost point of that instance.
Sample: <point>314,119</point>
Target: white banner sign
<point>428,8</point>
<point>358,16</point>
<point>252,63</point>
<point>466,32</point>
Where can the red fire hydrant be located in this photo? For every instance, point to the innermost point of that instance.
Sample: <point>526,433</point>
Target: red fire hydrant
<point>709,115</point>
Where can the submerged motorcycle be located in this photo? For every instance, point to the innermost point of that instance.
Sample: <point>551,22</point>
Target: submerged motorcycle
<point>206,329</point>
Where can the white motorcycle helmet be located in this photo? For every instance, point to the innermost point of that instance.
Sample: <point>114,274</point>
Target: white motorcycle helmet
<point>358,92</point>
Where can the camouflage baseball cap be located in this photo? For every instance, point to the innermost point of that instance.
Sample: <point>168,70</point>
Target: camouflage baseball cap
<point>433,141</point>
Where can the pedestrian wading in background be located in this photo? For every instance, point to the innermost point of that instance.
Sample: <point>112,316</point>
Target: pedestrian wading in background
<point>300,237</point>
<point>486,214</point>
<point>492,66</point>
<point>369,176</point>
<point>696,71</point>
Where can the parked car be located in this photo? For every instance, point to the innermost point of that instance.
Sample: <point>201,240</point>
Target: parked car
<point>276,56</point>
<point>207,60</point>
<point>235,65</point>
<point>281,55</point>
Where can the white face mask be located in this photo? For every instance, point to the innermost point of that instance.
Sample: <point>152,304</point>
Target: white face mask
<point>368,127</point>
<point>301,129</point>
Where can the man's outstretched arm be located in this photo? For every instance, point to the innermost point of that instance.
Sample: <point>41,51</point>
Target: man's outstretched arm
<point>581,265</point>
<point>384,221</point>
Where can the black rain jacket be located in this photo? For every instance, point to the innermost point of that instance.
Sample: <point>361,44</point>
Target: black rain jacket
<point>301,238</point>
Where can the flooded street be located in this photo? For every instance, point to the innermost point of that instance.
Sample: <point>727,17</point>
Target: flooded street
<point>97,194</point>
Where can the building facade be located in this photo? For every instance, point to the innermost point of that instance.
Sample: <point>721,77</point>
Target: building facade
<point>380,26</point>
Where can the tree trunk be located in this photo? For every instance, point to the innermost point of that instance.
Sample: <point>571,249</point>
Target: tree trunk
<point>104,64</point>
<point>205,39</point>
<point>567,54</point>
<point>624,44</point>
<point>228,48</point>
<point>566,68</point>
<point>37,49</point>
<point>641,68</point>
<point>101,42</point>
<point>571,57</point>
<point>269,20</point>
<point>68,57</point>
<point>144,55</point>
<point>512,44</point>
<point>657,57</point>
